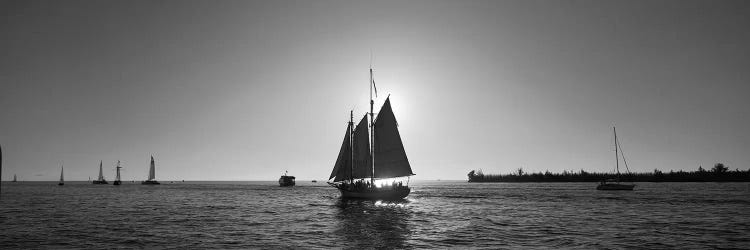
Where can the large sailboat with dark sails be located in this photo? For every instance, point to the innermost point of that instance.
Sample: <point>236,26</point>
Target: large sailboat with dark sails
<point>372,162</point>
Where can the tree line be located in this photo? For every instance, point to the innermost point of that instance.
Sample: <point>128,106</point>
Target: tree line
<point>719,173</point>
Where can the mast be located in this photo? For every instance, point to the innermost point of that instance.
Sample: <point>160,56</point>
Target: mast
<point>351,145</point>
<point>617,159</point>
<point>372,131</point>
<point>117,178</point>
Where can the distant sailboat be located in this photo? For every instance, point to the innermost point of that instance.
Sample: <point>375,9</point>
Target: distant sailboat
<point>15,179</point>
<point>614,184</point>
<point>368,160</point>
<point>62,181</point>
<point>101,179</point>
<point>151,174</point>
<point>117,177</point>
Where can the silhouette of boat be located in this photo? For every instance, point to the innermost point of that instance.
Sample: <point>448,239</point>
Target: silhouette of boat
<point>614,184</point>
<point>286,180</point>
<point>14,178</point>
<point>62,181</point>
<point>101,179</point>
<point>370,160</point>
<point>151,174</point>
<point>117,177</point>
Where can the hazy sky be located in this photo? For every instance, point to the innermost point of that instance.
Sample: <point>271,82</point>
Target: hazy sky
<point>244,90</point>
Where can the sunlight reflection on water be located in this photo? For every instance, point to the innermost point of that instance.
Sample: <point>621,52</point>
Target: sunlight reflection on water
<point>435,215</point>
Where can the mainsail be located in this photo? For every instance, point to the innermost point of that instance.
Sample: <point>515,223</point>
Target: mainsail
<point>101,175</point>
<point>390,156</point>
<point>361,145</point>
<point>152,170</point>
<point>61,174</point>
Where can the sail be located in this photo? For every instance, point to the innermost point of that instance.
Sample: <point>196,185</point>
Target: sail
<point>342,168</point>
<point>61,174</point>
<point>361,147</point>
<point>101,176</point>
<point>390,156</point>
<point>152,170</point>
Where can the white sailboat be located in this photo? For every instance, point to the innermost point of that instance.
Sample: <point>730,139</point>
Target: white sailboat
<point>101,179</point>
<point>371,162</point>
<point>151,174</point>
<point>117,177</point>
<point>614,184</point>
<point>62,181</point>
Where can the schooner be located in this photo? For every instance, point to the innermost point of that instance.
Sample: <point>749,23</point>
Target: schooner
<point>101,179</point>
<point>372,156</point>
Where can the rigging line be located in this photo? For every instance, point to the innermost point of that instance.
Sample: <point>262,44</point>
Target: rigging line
<point>623,156</point>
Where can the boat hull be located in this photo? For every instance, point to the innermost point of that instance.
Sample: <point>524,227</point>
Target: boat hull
<point>287,181</point>
<point>376,194</point>
<point>613,186</point>
<point>117,183</point>
<point>150,183</point>
<point>99,182</point>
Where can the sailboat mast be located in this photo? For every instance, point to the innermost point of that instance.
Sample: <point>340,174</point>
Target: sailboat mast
<point>617,159</point>
<point>372,131</point>
<point>351,146</point>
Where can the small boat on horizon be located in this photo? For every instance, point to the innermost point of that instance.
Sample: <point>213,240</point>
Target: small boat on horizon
<point>117,177</point>
<point>62,181</point>
<point>372,160</point>
<point>14,178</point>
<point>286,180</point>
<point>101,179</point>
<point>151,174</point>
<point>614,184</point>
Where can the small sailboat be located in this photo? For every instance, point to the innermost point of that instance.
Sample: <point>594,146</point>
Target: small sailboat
<point>614,184</point>
<point>117,177</point>
<point>15,179</point>
<point>286,180</point>
<point>101,179</point>
<point>62,181</point>
<point>371,162</point>
<point>151,174</point>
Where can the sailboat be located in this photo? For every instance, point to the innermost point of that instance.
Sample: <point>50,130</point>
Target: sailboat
<point>15,179</point>
<point>370,162</point>
<point>117,177</point>
<point>101,179</point>
<point>62,181</point>
<point>151,174</point>
<point>614,184</point>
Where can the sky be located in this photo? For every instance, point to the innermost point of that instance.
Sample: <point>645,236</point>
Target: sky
<point>245,90</point>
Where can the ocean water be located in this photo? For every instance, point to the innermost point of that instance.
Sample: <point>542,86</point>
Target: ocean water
<point>437,214</point>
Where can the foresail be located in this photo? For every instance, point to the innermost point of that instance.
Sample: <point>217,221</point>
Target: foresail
<point>362,160</point>
<point>343,163</point>
<point>390,156</point>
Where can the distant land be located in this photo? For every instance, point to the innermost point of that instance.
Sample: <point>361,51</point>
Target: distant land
<point>719,173</point>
